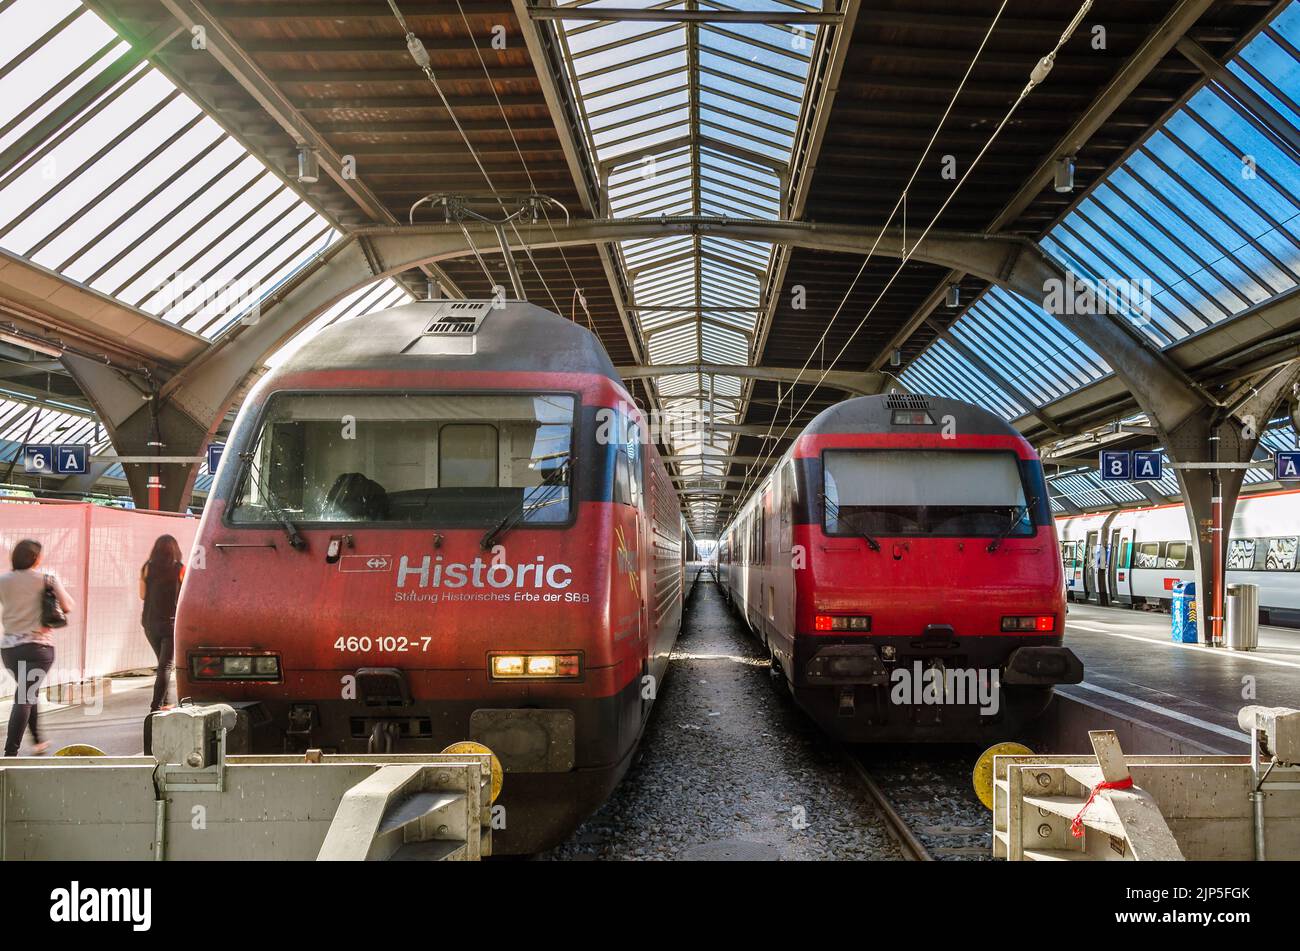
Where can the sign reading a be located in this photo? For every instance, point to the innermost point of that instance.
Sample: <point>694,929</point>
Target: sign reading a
<point>71,460</point>
<point>1148,466</point>
<point>1286,465</point>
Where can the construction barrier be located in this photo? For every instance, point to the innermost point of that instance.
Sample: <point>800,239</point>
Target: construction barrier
<point>97,552</point>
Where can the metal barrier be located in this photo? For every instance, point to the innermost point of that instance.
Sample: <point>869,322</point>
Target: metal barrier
<point>1110,807</point>
<point>191,801</point>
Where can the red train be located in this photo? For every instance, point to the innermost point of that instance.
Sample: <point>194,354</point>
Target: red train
<point>438,523</point>
<point>900,563</point>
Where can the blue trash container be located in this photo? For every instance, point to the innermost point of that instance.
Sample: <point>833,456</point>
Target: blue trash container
<point>1183,612</point>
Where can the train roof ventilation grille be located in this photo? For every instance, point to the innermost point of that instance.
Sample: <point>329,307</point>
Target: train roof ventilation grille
<point>906,401</point>
<point>458,318</point>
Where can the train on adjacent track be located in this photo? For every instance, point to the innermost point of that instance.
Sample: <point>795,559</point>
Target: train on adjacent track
<point>443,522</point>
<point>900,563</point>
<point>1134,557</point>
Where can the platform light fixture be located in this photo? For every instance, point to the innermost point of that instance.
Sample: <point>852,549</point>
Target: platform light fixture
<point>308,165</point>
<point>1064,182</point>
<point>954,296</point>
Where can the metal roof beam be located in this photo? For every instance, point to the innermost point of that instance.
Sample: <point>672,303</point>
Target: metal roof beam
<point>629,14</point>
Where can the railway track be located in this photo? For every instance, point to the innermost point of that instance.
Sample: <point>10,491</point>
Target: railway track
<point>926,802</point>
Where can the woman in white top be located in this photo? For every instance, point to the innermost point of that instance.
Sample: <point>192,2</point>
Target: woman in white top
<point>27,646</point>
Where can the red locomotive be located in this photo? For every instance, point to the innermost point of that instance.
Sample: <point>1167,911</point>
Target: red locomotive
<point>900,563</point>
<point>438,523</point>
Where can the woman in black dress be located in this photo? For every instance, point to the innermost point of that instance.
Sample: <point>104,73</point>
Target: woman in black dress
<point>160,589</point>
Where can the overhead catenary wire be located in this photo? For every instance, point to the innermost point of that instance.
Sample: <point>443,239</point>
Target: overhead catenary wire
<point>415,46</point>
<point>1037,76</point>
<point>532,185</point>
<point>819,347</point>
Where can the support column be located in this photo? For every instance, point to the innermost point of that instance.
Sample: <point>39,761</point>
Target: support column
<point>141,422</point>
<point>1229,435</point>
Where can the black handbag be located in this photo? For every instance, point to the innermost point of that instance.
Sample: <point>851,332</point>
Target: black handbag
<point>51,613</point>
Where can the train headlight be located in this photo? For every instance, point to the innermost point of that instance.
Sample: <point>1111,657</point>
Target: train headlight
<point>1036,623</point>
<point>535,666</point>
<point>842,622</point>
<point>214,666</point>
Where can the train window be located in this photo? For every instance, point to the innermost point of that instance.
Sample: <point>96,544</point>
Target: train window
<point>467,455</point>
<point>787,506</point>
<point>445,460</point>
<point>1281,554</point>
<point>1148,555</point>
<point>1241,554</point>
<point>635,469</point>
<point>628,477</point>
<point>1177,555</point>
<point>926,492</point>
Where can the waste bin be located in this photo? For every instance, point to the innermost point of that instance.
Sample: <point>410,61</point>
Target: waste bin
<point>1183,612</point>
<point>1241,621</point>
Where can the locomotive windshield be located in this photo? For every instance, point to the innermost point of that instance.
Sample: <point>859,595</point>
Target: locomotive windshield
<point>926,492</point>
<point>439,460</point>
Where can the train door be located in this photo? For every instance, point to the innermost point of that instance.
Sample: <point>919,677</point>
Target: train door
<point>1112,565</point>
<point>1122,556</point>
<point>1094,572</point>
<point>645,552</point>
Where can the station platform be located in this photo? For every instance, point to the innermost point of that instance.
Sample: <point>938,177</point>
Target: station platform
<point>113,722</point>
<point>1168,697</point>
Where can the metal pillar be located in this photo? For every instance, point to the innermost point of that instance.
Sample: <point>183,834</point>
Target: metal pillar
<point>140,421</point>
<point>1214,445</point>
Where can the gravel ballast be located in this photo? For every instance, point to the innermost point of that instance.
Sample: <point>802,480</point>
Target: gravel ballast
<point>729,767</point>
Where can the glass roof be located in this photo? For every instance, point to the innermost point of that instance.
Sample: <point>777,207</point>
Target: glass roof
<point>1199,224</point>
<point>133,190</point>
<point>694,119</point>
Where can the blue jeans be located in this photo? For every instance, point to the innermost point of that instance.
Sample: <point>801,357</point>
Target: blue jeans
<point>28,664</point>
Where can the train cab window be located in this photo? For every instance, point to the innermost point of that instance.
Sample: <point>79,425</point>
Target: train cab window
<point>930,492</point>
<point>1241,554</point>
<point>1177,555</point>
<point>1147,555</point>
<point>467,455</point>
<point>1281,554</point>
<point>445,460</point>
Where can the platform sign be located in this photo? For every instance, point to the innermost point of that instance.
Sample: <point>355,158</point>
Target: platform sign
<point>1116,466</point>
<point>38,459</point>
<point>1148,466</point>
<point>71,460</point>
<point>215,451</point>
<point>1286,465</point>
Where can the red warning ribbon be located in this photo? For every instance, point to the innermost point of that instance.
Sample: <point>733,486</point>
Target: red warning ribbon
<point>1076,824</point>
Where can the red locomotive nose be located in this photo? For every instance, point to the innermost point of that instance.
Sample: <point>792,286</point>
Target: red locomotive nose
<point>902,530</point>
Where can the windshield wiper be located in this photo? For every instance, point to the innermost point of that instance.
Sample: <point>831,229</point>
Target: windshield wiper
<point>1020,512</point>
<point>525,506</point>
<point>857,529</point>
<point>296,541</point>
